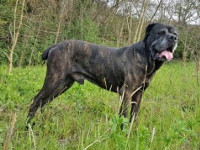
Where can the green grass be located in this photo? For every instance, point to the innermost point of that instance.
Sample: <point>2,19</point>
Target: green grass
<point>87,114</point>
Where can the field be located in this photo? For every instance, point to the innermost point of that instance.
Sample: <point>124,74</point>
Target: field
<point>85,117</point>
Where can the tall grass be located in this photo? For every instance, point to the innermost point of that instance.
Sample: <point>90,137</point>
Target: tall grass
<point>85,117</point>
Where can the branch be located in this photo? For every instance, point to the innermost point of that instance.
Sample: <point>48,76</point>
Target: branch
<point>14,21</point>
<point>156,10</point>
<point>5,54</point>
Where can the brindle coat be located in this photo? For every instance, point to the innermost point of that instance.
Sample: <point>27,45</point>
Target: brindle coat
<point>127,70</point>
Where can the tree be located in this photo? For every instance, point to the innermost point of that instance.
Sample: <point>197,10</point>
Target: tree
<point>15,34</point>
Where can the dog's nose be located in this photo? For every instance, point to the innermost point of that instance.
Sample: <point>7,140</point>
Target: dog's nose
<point>172,38</point>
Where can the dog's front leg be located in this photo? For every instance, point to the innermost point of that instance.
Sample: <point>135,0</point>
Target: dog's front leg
<point>129,93</point>
<point>135,104</point>
<point>125,94</point>
<point>126,99</point>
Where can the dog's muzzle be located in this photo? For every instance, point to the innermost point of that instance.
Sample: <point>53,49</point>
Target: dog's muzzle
<point>164,53</point>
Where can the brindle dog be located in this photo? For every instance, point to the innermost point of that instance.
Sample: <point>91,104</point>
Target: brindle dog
<point>127,70</point>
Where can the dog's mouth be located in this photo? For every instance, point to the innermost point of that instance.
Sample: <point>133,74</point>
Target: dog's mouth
<point>167,55</point>
<point>164,55</point>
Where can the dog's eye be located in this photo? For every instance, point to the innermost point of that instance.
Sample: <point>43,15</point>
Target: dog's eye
<point>162,32</point>
<point>175,33</point>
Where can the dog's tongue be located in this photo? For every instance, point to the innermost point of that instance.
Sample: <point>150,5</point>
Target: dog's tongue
<point>168,55</point>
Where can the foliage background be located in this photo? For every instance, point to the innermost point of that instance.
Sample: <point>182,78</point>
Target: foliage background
<point>112,22</point>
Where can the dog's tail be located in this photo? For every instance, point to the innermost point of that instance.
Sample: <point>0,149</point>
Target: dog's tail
<point>45,54</point>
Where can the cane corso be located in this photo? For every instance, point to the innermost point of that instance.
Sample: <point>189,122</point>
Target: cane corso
<point>127,70</point>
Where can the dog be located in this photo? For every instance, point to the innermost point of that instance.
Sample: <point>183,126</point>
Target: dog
<point>127,71</point>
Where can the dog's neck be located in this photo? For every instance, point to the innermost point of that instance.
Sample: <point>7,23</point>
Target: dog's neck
<point>153,65</point>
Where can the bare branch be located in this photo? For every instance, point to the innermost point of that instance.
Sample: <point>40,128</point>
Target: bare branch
<point>156,10</point>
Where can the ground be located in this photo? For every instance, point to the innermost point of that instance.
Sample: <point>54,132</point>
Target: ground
<point>86,116</point>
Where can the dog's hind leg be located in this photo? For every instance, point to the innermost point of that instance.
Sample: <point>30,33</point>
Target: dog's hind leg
<point>60,89</point>
<point>51,89</point>
<point>56,82</point>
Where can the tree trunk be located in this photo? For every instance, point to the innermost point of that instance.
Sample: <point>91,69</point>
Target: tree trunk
<point>141,21</point>
<point>15,35</point>
<point>63,10</point>
<point>32,51</point>
<point>119,34</point>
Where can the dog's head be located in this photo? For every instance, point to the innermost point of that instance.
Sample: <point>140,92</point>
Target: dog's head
<point>161,40</point>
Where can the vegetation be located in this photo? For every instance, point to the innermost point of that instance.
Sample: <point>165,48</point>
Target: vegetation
<point>86,116</point>
<point>28,27</point>
<point>169,117</point>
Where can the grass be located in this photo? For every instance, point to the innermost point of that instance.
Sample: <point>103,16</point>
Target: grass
<point>85,117</point>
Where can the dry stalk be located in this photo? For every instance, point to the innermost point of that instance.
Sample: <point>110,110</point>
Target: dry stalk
<point>9,134</point>
<point>131,126</point>
<point>32,134</point>
<point>99,139</point>
<point>153,134</point>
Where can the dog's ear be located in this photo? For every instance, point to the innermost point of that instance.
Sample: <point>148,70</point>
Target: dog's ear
<point>148,29</point>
